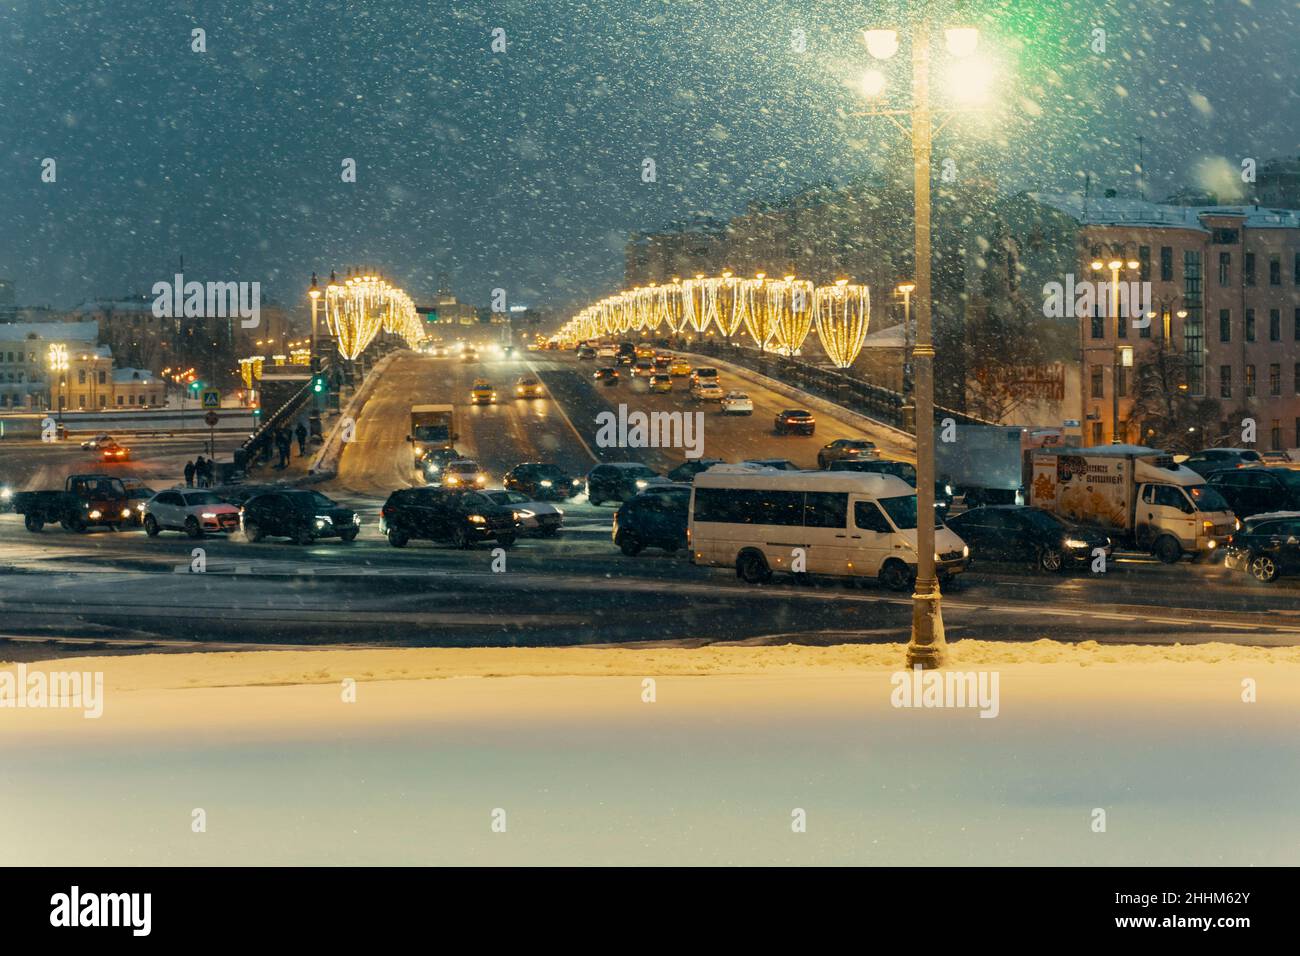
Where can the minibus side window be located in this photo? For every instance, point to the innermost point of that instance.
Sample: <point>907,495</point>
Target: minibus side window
<point>868,517</point>
<point>825,509</point>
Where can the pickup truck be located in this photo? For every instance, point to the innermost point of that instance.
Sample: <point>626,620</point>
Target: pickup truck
<point>86,501</point>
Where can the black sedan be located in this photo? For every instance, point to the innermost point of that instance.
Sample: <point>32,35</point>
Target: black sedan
<point>302,516</point>
<point>542,481</point>
<point>1020,533</point>
<point>687,470</point>
<point>795,421</point>
<point>608,375</point>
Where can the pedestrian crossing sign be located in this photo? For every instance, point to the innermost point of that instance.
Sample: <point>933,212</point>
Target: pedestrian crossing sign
<point>211,398</point>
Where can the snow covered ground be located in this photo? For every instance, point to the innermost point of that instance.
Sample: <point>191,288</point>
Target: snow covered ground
<point>562,747</point>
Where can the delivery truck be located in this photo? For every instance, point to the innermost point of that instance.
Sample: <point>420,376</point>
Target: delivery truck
<point>1139,496</point>
<point>433,427</point>
<point>988,464</point>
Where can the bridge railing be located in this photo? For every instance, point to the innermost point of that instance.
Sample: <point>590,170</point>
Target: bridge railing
<point>833,385</point>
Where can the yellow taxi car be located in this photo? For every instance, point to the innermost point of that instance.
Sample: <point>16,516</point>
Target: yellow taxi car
<point>645,351</point>
<point>482,393</point>
<point>679,367</point>
<point>529,387</point>
<point>661,383</point>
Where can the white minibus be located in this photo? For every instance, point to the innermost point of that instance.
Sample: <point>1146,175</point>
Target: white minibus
<point>843,523</point>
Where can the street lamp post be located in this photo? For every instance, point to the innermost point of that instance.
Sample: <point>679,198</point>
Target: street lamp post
<point>1115,265</point>
<point>58,363</point>
<point>314,293</point>
<point>927,647</point>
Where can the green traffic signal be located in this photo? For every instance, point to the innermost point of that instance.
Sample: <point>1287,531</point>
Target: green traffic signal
<point>318,384</point>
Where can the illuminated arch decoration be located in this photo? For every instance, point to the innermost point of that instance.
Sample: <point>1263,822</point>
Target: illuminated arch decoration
<point>842,313</point>
<point>790,301</point>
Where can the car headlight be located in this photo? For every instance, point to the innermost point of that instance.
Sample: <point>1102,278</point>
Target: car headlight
<point>560,512</point>
<point>356,520</point>
<point>96,513</point>
<point>1236,525</point>
<point>323,520</point>
<point>1075,543</point>
<point>6,494</point>
<point>480,479</point>
<point>126,512</point>
<point>525,513</point>
<point>430,466</point>
<point>947,489</point>
<point>577,481</point>
<point>965,551</point>
<point>477,519</point>
<point>209,515</point>
<point>641,483</point>
<point>453,480</point>
<point>546,482</point>
<point>140,506</point>
<point>419,449</point>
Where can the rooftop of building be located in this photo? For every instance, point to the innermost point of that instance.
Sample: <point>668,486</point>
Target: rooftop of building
<point>1119,211</point>
<point>53,331</point>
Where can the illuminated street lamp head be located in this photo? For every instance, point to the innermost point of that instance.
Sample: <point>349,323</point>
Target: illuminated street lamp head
<point>1097,265</point>
<point>907,288</point>
<point>881,44</point>
<point>873,84</point>
<point>962,41</point>
<point>1181,313</point>
<point>1115,264</point>
<point>1134,264</point>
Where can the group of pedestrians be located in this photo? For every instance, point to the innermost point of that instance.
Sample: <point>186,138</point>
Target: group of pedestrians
<point>201,471</point>
<point>284,439</point>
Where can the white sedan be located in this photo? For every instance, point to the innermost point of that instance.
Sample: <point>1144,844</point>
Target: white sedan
<point>534,517</point>
<point>737,403</point>
<point>705,391</point>
<point>194,512</point>
<point>464,474</point>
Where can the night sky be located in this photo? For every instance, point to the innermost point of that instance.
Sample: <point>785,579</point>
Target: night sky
<point>523,169</point>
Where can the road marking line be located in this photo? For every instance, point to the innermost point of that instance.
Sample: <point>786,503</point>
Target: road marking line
<point>559,407</point>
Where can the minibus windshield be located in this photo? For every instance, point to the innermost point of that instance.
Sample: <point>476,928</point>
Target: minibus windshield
<point>902,512</point>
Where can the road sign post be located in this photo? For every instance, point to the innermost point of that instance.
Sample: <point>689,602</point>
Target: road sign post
<point>212,418</point>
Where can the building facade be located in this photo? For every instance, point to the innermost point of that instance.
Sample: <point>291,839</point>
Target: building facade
<point>1216,326</point>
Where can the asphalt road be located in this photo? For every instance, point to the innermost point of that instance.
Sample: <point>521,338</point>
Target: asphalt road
<point>123,592</point>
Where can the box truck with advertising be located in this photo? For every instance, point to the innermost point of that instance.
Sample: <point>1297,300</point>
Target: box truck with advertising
<point>1139,496</point>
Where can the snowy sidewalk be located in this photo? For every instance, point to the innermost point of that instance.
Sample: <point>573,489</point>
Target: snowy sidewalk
<point>1096,755</point>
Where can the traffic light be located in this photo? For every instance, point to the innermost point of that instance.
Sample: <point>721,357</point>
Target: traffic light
<point>318,384</point>
<point>196,387</point>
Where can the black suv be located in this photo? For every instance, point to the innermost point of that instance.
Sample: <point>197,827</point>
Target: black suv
<point>541,481</point>
<point>1250,491</point>
<point>653,519</point>
<point>1266,547</point>
<point>618,481</point>
<point>899,469</point>
<point>303,516</point>
<point>1210,460</point>
<point>442,514</point>
<point>1019,533</point>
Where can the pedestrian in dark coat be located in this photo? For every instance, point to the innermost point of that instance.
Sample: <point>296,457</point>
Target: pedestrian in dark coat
<point>189,474</point>
<point>301,433</point>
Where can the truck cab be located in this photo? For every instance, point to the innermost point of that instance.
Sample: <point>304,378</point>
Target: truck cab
<point>1192,513</point>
